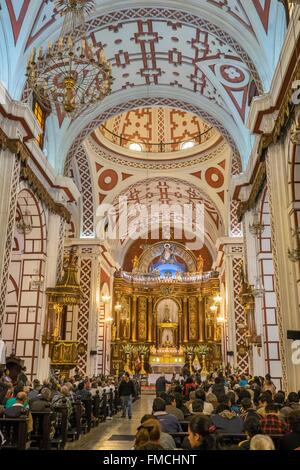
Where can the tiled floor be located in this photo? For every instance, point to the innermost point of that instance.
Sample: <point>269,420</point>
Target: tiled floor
<point>98,438</point>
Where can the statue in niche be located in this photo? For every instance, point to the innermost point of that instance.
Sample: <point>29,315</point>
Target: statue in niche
<point>113,332</point>
<point>167,315</point>
<point>200,263</point>
<point>192,318</point>
<point>135,264</point>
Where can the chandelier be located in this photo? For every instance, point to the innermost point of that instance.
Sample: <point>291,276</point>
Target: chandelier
<point>71,75</point>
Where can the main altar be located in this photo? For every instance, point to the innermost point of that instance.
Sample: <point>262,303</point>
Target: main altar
<point>165,314</point>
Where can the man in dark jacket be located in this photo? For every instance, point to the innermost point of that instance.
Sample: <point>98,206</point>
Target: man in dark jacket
<point>160,385</point>
<point>169,423</point>
<point>126,392</point>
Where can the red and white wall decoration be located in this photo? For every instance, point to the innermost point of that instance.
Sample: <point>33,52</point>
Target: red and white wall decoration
<point>24,302</point>
<point>271,342</point>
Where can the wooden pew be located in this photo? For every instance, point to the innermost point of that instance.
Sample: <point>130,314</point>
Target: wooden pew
<point>96,409</point>
<point>74,431</point>
<point>60,438</point>
<point>87,415</point>
<point>15,433</point>
<point>103,407</point>
<point>40,434</point>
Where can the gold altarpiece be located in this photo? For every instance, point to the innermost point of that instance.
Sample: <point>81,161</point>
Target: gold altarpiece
<point>143,322</point>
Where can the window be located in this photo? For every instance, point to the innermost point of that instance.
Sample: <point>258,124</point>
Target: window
<point>41,116</point>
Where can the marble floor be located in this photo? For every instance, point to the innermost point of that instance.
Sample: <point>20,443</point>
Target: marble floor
<point>105,436</point>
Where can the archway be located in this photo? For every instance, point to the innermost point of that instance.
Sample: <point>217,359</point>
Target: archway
<point>24,299</point>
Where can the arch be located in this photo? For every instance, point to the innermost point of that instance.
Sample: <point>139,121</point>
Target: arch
<point>26,266</point>
<point>171,297</point>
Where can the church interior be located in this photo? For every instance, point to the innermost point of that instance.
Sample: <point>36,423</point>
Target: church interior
<point>149,208</point>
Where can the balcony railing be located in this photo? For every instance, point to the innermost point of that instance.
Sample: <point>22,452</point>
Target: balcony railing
<point>64,353</point>
<point>149,278</point>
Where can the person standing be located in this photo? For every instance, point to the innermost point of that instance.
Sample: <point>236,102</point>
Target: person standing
<point>160,385</point>
<point>126,392</point>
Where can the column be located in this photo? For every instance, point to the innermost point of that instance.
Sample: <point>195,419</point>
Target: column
<point>201,318</point>
<point>283,212</point>
<point>55,244</point>
<point>185,320</point>
<point>117,315</point>
<point>133,318</point>
<point>233,250</point>
<point>150,319</point>
<point>9,184</point>
<point>181,328</point>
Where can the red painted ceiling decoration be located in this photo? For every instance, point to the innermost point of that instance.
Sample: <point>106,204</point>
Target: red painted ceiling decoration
<point>154,127</point>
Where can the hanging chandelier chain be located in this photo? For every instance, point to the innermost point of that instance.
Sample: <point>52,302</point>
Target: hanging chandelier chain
<point>72,75</point>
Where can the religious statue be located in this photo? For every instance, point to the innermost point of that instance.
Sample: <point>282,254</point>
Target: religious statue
<point>113,332</point>
<point>167,318</point>
<point>135,264</point>
<point>167,255</point>
<point>200,264</point>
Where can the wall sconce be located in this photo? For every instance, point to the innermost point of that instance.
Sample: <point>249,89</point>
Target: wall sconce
<point>294,254</point>
<point>258,289</point>
<point>24,226</point>
<point>105,298</point>
<point>256,228</point>
<point>118,306</point>
<point>220,319</point>
<point>36,281</point>
<point>218,299</point>
<point>213,308</point>
<point>109,320</point>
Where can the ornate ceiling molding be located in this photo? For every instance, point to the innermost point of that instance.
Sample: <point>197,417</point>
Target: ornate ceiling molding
<point>17,147</point>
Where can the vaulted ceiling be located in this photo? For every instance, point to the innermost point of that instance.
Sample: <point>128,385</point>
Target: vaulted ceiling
<point>209,55</point>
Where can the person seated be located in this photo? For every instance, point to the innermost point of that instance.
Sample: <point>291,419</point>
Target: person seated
<point>291,441</point>
<point>247,410</point>
<point>11,401</point>
<point>148,432</point>
<point>218,388</point>
<point>212,399</point>
<point>171,406</point>
<point>292,403</point>
<point>18,409</point>
<point>261,442</point>
<point>83,391</point>
<point>188,387</point>
<point>226,421</point>
<point>269,386</point>
<point>42,402</point>
<point>271,422</point>
<point>180,405</point>
<point>231,396</point>
<point>166,441</point>
<point>202,434</point>
<point>208,407</point>
<point>243,381</point>
<point>252,427</point>
<point>169,423</point>
<point>197,410</point>
<point>263,401</point>
<point>35,390</point>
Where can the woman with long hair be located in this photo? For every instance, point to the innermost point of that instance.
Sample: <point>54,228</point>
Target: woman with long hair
<point>202,434</point>
<point>148,431</point>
